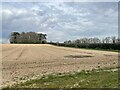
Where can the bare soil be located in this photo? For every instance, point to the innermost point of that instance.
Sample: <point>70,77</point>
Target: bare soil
<point>28,60</point>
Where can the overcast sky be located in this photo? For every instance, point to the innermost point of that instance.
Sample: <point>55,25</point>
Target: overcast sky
<point>61,20</point>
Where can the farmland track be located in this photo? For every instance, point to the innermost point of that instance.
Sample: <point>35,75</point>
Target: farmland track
<point>26,59</point>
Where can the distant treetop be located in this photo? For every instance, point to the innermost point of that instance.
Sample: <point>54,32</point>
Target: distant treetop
<point>28,37</point>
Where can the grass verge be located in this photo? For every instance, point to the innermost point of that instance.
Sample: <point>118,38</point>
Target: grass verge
<point>86,79</point>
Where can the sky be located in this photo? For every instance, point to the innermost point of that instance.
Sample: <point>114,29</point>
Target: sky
<point>61,21</point>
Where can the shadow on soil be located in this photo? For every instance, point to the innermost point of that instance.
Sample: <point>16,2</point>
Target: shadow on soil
<point>78,56</point>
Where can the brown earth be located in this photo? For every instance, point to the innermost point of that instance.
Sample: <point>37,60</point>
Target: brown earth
<point>28,60</point>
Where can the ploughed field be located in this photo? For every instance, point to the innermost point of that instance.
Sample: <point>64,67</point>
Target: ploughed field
<point>32,60</point>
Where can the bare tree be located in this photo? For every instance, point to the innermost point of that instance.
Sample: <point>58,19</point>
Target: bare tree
<point>113,39</point>
<point>107,40</point>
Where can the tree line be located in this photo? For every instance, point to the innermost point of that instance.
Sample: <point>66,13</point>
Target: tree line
<point>112,43</point>
<point>27,38</point>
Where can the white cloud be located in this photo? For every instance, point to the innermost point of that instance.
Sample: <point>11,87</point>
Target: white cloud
<point>60,0</point>
<point>61,21</point>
